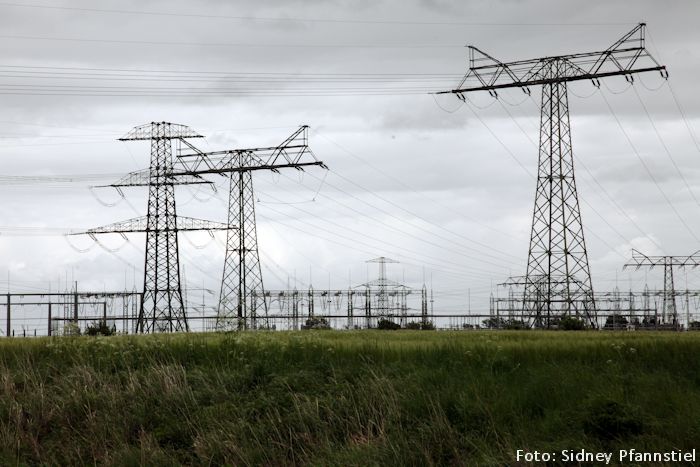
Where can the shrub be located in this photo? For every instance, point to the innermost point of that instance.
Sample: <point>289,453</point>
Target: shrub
<point>608,420</point>
<point>419,325</point>
<point>571,323</point>
<point>386,324</point>
<point>515,324</point>
<point>616,321</point>
<point>71,329</point>
<point>316,323</point>
<point>494,323</point>
<point>100,328</point>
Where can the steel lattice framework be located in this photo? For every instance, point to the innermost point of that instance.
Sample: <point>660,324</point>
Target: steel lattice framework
<point>558,279</point>
<point>162,308</point>
<point>383,285</point>
<point>669,311</point>
<point>242,291</point>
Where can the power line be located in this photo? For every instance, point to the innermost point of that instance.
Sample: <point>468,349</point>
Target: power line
<point>665,147</point>
<point>684,118</point>
<point>252,45</point>
<point>648,170</point>
<point>345,228</point>
<point>580,163</point>
<point>362,234</point>
<point>372,251</point>
<point>194,75</point>
<point>200,95</point>
<point>297,19</point>
<point>441,237</point>
<point>413,190</point>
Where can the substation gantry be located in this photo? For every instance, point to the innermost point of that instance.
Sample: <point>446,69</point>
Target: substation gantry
<point>669,310</point>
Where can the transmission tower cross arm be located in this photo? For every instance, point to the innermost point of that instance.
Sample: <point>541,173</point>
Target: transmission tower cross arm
<point>160,130</point>
<point>293,152</point>
<point>641,260</point>
<point>143,178</point>
<point>141,224</point>
<point>627,56</point>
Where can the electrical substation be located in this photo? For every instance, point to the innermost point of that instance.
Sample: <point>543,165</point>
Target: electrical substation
<point>556,285</point>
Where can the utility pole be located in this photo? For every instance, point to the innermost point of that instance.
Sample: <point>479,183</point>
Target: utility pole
<point>558,280</point>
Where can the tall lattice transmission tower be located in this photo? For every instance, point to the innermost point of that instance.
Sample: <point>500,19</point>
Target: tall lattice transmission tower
<point>558,279</point>
<point>162,308</point>
<point>242,299</point>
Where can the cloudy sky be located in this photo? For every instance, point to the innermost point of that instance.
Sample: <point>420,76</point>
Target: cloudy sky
<point>443,187</point>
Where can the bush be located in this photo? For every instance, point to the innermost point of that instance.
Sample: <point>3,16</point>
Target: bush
<point>416,325</point>
<point>609,420</point>
<point>616,321</point>
<point>387,325</point>
<point>570,323</point>
<point>494,323</point>
<point>515,324</point>
<point>71,329</point>
<point>100,328</point>
<point>316,323</point>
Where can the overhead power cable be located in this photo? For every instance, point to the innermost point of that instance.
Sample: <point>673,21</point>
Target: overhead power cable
<point>413,215</point>
<point>589,205</point>
<point>391,244</point>
<point>422,194</point>
<point>665,147</point>
<point>252,45</point>
<point>648,170</point>
<point>287,19</point>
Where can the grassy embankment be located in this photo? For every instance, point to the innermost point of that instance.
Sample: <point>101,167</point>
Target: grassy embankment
<point>344,398</point>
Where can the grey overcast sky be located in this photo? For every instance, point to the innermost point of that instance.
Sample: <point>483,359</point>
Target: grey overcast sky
<point>443,188</point>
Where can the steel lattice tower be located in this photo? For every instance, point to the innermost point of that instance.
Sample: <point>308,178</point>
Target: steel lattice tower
<point>242,285</point>
<point>558,280</point>
<point>383,285</point>
<point>242,293</point>
<point>557,266</point>
<point>162,308</point>
<point>669,306</point>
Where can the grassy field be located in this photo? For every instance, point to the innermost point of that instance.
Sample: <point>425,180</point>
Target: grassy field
<point>344,398</point>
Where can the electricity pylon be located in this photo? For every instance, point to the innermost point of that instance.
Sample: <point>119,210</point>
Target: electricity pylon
<point>669,311</point>
<point>242,293</point>
<point>382,284</point>
<point>558,279</point>
<point>162,308</point>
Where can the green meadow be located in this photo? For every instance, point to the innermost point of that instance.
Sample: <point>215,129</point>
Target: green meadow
<point>344,397</point>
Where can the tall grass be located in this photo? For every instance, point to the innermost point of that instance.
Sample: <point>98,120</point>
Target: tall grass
<point>344,398</point>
